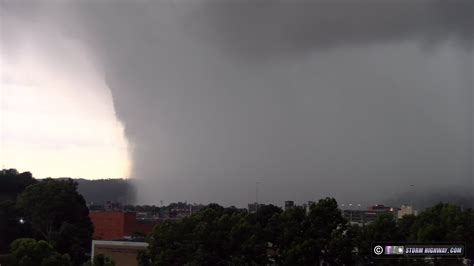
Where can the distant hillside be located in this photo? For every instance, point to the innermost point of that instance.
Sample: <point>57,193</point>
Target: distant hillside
<point>122,190</point>
<point>98,191</point>
<point>102,190</point>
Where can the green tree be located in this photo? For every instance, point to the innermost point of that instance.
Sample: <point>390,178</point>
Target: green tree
<point>212,236</point>
<point>12,225</point>
<point>384,228</point>
<point>143,258</point>
<point>102,260</point>
<point>29,252</point>
<point>445,223</point>
<point>268,219</point>
<point>229,236</point>
<point>404,226</point>
<point>362,243</point>
<point>330,232</point>
<point>266,212</point>
<point>292,245</point>
<point>13,183</point>
<point>58,214</point>
<point>441,223</point>
<point>308,239</point>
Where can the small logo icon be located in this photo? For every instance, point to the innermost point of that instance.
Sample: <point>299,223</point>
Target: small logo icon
<point>394,250</point>
<point>378,250</point>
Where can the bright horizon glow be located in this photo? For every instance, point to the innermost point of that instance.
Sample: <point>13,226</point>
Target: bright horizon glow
<point>57,117</point>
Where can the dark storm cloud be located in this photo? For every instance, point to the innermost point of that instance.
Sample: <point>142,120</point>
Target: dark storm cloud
<point>312,99</point>
<point>263,28</point>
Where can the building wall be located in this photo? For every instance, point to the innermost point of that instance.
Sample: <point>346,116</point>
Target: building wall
<point>115,225</point>
<point>110,225</point>
<point>406,210</point>
<point>129,222</point>
<point>122,253</point>
<point>144,228</point>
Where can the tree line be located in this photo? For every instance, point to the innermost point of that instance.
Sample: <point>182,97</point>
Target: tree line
<point>42,222</point>
<point>271,236</point>
<point>46,223</point>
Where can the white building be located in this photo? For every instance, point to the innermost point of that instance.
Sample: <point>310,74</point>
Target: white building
<point>406,210</point>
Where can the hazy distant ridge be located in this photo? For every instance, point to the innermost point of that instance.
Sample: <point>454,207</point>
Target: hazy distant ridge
<point>122,190</point>
<point>102,190</point>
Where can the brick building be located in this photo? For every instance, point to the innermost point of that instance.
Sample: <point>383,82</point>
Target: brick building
<point>116,225</point>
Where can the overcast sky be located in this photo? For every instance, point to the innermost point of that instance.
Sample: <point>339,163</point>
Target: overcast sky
<point>199,100</point>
